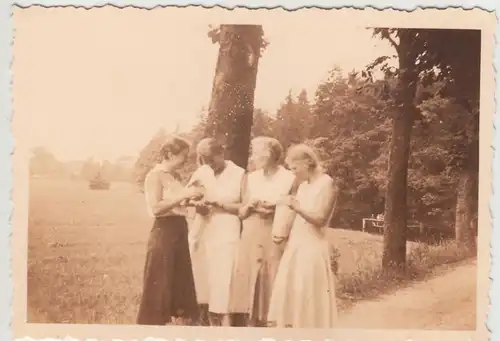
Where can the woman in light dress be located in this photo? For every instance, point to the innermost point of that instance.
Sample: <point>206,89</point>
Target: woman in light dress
<point>304,288</point>
<point>218,229</point>
<point>258,256</point>
<point>168,289</point>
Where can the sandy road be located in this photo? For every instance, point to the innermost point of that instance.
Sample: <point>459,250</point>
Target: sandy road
<point>445,302</point>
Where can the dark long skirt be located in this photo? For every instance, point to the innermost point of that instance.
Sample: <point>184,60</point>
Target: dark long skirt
<point>168,289</point>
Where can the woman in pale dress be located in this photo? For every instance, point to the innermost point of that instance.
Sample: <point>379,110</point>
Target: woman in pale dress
<point>219,231</point>
<point>168,289</point>
<point>258,254</point>
<point>198,252</point>
<point>304,288</point>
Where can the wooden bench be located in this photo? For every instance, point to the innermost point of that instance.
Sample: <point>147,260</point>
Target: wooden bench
<point>379,224</point>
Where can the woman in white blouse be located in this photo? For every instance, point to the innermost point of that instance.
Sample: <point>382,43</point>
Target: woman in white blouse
<point>168,288</point>
<point>219,226</point>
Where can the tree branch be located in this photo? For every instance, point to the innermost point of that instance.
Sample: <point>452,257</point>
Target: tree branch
<point>392,41</point>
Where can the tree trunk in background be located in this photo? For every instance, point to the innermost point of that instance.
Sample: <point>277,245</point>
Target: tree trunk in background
<point>231,108</point>
<point>467,71</point>
<point>464,215</point>
<point>395,215</point>
<point>467,191</point>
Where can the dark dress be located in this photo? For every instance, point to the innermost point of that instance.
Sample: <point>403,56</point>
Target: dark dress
<point>168,289</point>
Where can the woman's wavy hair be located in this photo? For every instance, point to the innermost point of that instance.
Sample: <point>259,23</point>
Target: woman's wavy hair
<point>207,147</point>
<point>273,145</point>
<point>303,152</point>
<point>173,145</point>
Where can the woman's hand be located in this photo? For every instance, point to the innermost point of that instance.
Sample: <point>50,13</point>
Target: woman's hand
<point>265,212</point>
<point>246,209</point>
<point>278,240</point>
<point>194,193</point>
<point>253,204</point>
<point>201,207</point>
<point>202,210</point>
<point>243,212</point>
<point>213,203</point>
<point>291,202</point>
<point>267,205</point>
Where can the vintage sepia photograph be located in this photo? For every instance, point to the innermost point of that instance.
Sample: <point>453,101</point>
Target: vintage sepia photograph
<point>272,170</point>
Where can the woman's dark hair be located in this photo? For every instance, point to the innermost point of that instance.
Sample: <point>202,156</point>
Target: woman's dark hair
<point>173,145</point>
<point>208,147</point>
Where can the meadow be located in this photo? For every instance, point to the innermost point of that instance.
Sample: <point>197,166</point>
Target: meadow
<point>86,252</point>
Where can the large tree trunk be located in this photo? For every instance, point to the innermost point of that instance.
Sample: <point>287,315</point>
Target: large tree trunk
<point>467,91</point>
<point>467,191</point>
<point>231,108</point>
<point>395,216</point>
<point>464,216</point>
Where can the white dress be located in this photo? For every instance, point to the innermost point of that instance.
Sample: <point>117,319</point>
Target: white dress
<point>218,235</point>
<point>258,256</point>
<point>303,294</point>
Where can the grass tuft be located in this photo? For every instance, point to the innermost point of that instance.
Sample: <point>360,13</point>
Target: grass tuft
<point>369,280</point>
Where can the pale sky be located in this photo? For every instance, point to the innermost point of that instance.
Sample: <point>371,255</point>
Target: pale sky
<point>101,82</point>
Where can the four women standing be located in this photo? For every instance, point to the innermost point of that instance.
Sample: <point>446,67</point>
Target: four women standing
<point>233,224</point>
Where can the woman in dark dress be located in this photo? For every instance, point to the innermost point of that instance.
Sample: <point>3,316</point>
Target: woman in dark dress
<point>168,289</point>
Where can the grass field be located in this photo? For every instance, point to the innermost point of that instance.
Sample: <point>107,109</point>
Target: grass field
<point>86,252</point>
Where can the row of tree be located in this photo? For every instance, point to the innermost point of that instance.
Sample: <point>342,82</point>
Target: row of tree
<point>405,145</point>
<point>44,164</point>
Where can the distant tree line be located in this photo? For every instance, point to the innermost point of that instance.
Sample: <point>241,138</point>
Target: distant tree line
<point>44,164</point>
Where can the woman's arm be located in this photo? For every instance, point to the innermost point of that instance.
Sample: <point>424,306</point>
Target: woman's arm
<point>295,186</point>
<point>246,206</point>
<point>195,178</point>
<point>319,217</point>
<point>234,207</point>
<point>158,205</point>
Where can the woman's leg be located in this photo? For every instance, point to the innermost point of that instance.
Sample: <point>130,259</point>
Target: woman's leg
<point>226,320</point>
<point>214,319</point>
<point>239,319</point>
<point>203,319</point>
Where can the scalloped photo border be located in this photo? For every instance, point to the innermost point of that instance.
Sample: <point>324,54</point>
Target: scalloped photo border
<point>8,145</point>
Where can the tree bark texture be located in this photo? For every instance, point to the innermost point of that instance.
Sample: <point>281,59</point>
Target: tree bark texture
<point>231,108</point>
<point>467,191</point>
<point>395,216</point>
<point>467,92</point>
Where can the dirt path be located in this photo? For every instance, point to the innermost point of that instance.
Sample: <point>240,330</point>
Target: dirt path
<point>445,302</point>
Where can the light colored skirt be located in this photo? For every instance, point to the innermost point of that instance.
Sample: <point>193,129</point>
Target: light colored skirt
<point>304,289</point>
<point>198,260</point>
<point>200,273</point>
<point>220,241</point>
<point>256,266</point>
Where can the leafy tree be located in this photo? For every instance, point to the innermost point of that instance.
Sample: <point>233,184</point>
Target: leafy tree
<point>350,131</point>
<point>425,57</point>
<point>44,163</point>
<point>263,124</point>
